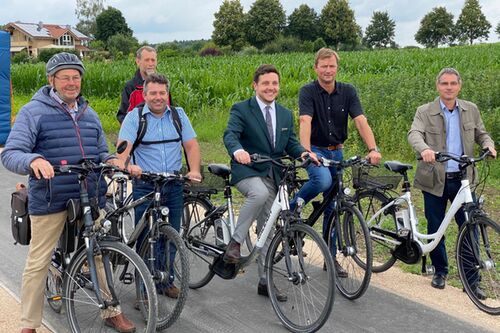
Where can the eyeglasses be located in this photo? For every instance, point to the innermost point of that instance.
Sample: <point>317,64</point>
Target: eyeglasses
<point>65,78</point>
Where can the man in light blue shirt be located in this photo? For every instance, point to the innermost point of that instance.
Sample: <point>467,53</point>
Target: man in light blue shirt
<point>160,151</point>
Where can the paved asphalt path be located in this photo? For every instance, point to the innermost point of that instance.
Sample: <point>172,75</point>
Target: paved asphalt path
<point>234,306</point>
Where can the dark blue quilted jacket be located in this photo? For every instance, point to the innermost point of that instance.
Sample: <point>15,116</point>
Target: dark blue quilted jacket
<point>43,128</point>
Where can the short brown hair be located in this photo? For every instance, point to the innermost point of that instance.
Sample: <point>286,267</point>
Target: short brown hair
<point>155,78</point>
<point>264,69</point>
<point>449,70</point>
<point>324,53</point>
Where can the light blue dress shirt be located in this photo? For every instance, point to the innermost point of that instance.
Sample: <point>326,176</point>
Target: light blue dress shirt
<point>453,136</point>
<point>164,157</point>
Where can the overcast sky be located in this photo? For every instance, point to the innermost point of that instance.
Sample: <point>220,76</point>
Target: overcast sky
<point>167,20</point>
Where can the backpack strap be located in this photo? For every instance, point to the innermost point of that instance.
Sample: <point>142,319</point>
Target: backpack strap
<point>178,127</point>
<point>141,129</point>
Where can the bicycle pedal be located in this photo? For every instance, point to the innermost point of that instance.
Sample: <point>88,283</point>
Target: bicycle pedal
<point>128,278</point>
<point>241,271</point>
<point>54,298</point>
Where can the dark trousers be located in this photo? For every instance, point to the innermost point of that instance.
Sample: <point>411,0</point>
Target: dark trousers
<point>171,197</point>
<point>435,210</point>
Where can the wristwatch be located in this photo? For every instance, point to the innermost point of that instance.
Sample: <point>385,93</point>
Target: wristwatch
<point>374,149</point>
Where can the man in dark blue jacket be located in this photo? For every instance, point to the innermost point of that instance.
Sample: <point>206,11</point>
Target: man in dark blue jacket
<point>56,125</point>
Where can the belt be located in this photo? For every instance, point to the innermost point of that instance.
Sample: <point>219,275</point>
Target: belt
<point>454,175</point>
<point>333,147</point>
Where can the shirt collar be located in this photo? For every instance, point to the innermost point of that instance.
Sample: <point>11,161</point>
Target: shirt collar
<point>337,90</point>
<point>444,108</point>
<point>262,105</point>
<point>58,99</point>
<point>146,109</point>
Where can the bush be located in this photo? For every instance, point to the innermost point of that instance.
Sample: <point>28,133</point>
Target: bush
<point>168,53</point>
<point>249,50</point>
<point>122,44</point>
<point>210,49</point>
<point>283,44</point>
<point>46,54</point>
<point>318,44</point>
<point>21,58</point>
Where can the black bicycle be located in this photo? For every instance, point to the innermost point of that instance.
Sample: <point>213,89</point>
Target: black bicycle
<point>354,251</point>
<point>167,267</point>
<point>103,277</point>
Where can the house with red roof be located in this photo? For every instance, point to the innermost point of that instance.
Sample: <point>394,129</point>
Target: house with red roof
<point>34,37</point>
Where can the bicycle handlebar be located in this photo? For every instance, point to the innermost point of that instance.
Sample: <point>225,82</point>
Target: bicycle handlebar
<point>345,163</point>
<point>162,177</point>
<point>257,158</point>
<point>464,159</point>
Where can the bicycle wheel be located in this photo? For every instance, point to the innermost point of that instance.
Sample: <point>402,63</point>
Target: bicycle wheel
<point>251,236</point>
<point>53,289</point>
<point>478,260</point>
<point>370,202</point>
<point>355,255</point>
<point>309,287</point>
<point>170,269</point>
<point>195,210</point>
<point>125,223</point>
<point>131,282</point>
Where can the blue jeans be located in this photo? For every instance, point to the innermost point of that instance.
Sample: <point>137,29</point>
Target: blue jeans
<point>435,210</point>
<point>320,181</point>
<point>171,197</point>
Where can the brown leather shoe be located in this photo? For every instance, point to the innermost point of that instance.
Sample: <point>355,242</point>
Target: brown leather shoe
<point>232,254</point>
<point>28,330</point>
<point>120,323</point>
<point>172,292</point>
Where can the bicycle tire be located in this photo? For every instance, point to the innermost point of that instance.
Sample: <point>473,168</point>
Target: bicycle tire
<point>310,282</point>
<point>169,309</point>
<point>53,289</point>
<point>127,225</point>
<point>369,202</point>
<point>133,286</point>
<point>252,235</point>
<point>356,255</point>
<point>483,235</point>
<point>195,209</point>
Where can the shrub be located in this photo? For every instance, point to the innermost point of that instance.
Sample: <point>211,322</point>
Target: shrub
<point>21,58</point>
<point>46,54</point>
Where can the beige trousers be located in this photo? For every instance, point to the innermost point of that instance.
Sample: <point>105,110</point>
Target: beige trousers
<point>45,232</point>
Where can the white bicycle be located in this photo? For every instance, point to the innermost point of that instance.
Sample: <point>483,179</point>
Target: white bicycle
<point>395,235</point>
<point>301,277</point>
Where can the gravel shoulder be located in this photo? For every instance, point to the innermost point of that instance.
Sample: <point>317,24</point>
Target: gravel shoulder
<point>452,301</point>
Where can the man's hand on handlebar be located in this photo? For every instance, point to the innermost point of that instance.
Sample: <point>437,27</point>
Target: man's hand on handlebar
<point>134,170</point>
<point>194,176</point>
<point>374,157</point>
<point>42,168</point>
<point>242,157</point>
<point>310,155</point>
<point>492,151</point>
<point>428,155</point>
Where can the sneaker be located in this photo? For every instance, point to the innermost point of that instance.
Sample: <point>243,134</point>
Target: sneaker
<point>262,290</point>
<point>120,323</point>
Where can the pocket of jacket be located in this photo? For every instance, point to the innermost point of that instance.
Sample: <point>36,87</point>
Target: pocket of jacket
<point>425,174</point>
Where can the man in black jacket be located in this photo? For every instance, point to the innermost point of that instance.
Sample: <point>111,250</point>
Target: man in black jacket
<point>132,93</point>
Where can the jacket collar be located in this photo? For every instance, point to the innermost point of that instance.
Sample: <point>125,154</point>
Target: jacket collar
<point>436,106</point>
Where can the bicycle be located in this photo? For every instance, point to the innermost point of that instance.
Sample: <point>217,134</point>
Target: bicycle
<point>395,236</point>
<point>155,218</point>
<point>103,275</point>
<point>309,288</point>
<point>354,252</point>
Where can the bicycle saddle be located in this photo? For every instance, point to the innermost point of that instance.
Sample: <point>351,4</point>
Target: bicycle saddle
<point>220,170</point>
<point>397,166</point>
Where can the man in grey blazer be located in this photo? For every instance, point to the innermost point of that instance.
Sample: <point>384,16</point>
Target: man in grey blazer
<point>258,125</point>
<point>452,125</point>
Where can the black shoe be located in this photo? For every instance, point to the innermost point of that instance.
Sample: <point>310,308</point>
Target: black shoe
<point>232,254</point>
<point>480,294</point>
<point>262,290</point>
<point>341,272</point>
<point>438,281</point>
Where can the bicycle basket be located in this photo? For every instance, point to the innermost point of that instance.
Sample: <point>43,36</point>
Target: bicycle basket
<point>369,177</point>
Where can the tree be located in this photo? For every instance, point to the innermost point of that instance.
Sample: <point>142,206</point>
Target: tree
<point>111,22</point>
<point>125,44</point>
<point>86,11</point>
<point>338,24</point>
<point>472,24</point>
<point>264,22</point>
<point>498,30</point>
<point>303,23</point>
<point>436,28</point>
<point>229,25</point>
<point>380,32</point>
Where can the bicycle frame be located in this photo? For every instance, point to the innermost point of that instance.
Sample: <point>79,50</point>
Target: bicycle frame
<point>463,197</point>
